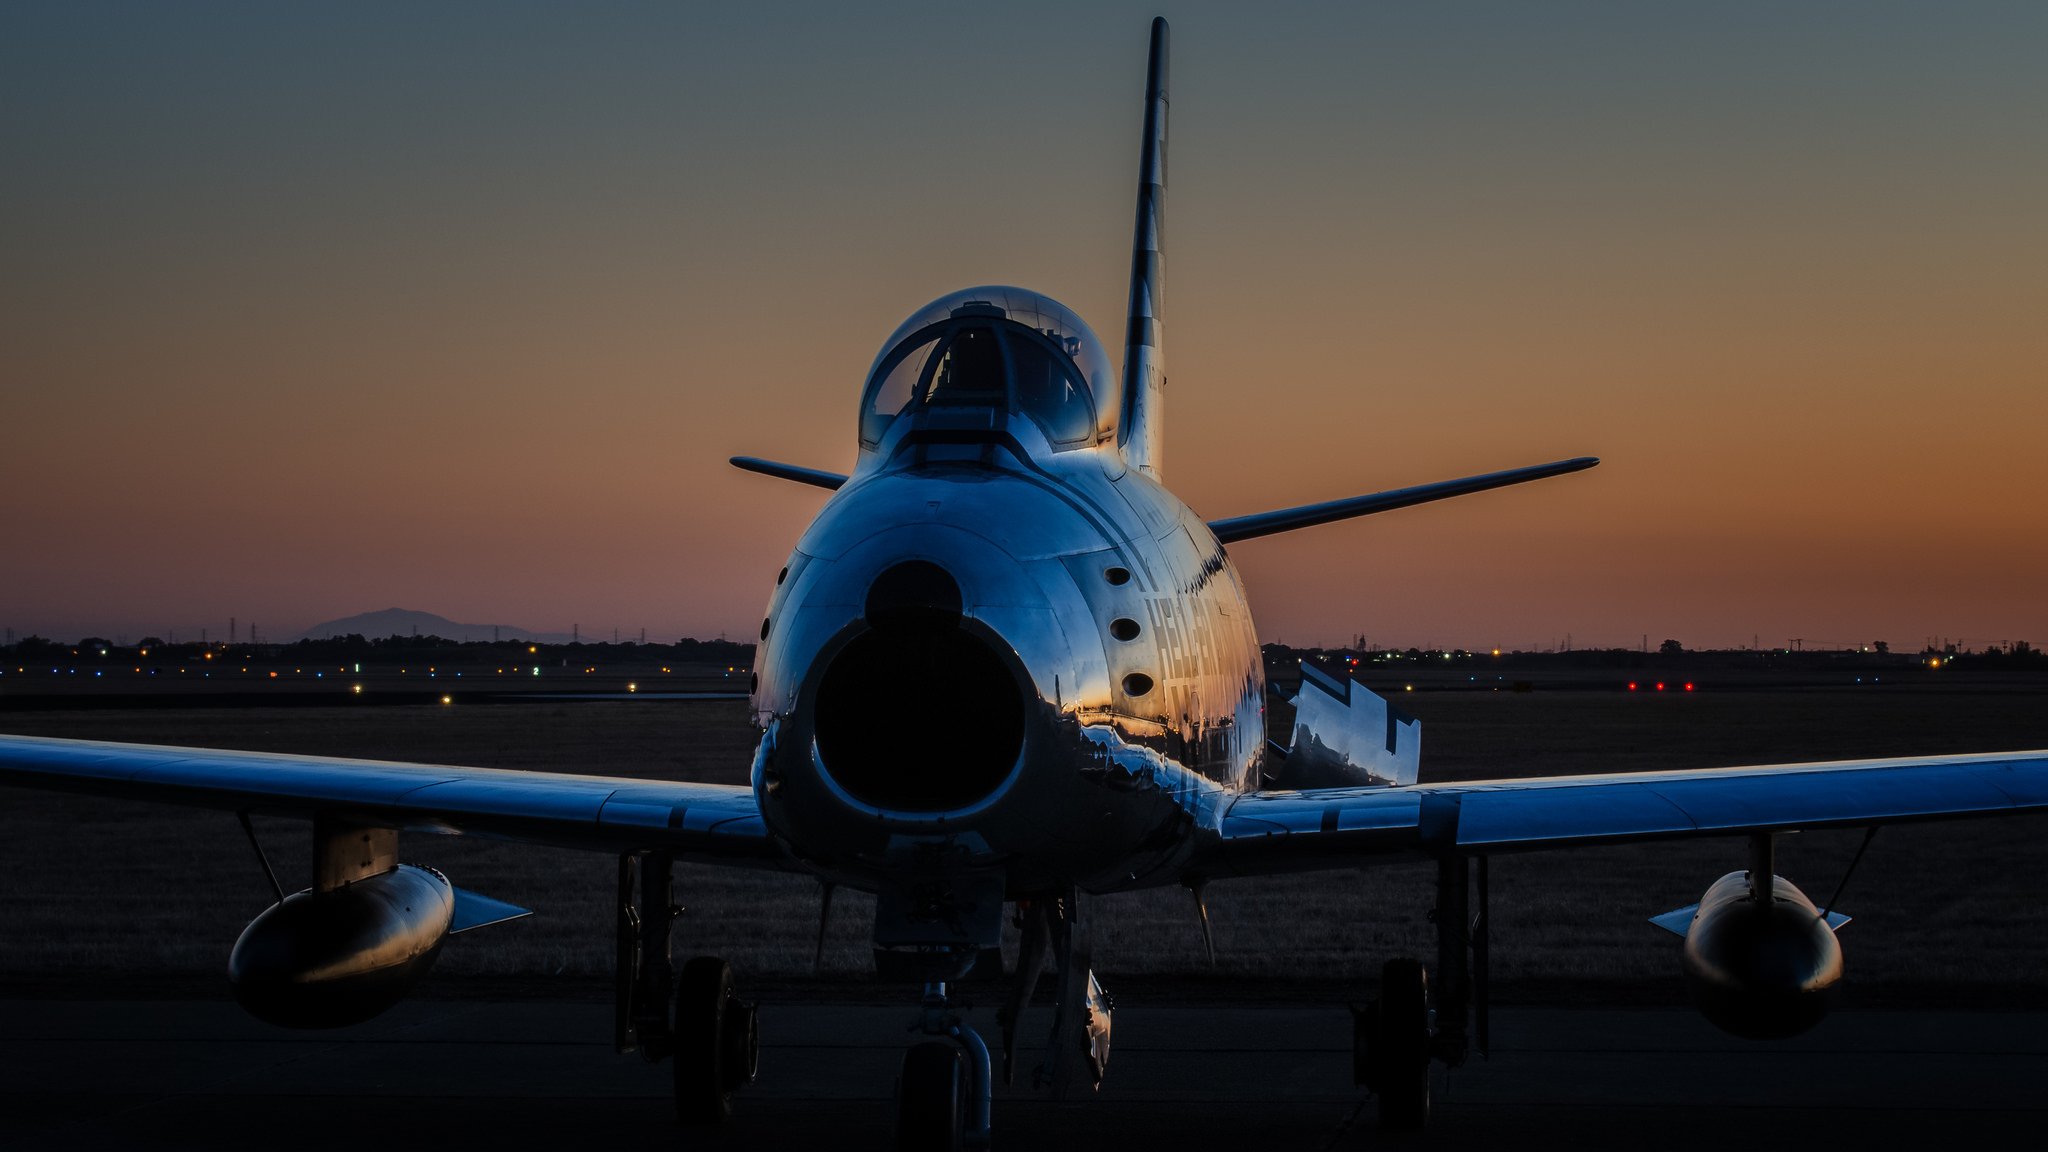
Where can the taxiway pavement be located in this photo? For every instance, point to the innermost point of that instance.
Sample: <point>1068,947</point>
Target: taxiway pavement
<point>492,1074</point>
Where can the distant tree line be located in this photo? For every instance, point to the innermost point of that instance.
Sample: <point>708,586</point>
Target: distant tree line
<point>357,647</point>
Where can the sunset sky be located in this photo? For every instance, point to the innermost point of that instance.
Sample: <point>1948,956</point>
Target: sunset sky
<point>307,311</point>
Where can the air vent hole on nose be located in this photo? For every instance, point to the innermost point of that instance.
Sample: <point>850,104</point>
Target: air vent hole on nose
<point>1123,628</point>
<point>1118,576</point>
<point>1137,684</point>
<point>764,627</point>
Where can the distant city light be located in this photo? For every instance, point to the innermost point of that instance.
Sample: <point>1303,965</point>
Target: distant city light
<point>357,689</point>
<point>447,699</point>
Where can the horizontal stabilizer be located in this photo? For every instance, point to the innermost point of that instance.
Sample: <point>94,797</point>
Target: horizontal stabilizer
<point>1346,735</point>
<point>475,910</point>
<point>1678,921</point>
<point>816,477</point>
<point>1237,528</point>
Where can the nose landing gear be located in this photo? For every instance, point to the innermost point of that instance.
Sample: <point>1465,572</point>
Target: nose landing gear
<point>943,1095</point>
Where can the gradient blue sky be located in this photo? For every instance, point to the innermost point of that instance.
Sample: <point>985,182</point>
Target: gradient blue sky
<point>309,310</point>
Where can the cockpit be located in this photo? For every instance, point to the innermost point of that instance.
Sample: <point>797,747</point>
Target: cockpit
<point>998,350</point>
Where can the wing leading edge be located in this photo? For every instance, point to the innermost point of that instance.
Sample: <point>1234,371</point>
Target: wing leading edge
<point>1235,528</point>
<point>1282,831</point>
<point>704,821</point>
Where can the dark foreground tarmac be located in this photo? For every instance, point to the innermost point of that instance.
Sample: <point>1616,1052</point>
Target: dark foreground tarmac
<point>486,1074</point>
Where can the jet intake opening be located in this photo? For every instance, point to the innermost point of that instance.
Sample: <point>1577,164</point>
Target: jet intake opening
<point>919,715</point>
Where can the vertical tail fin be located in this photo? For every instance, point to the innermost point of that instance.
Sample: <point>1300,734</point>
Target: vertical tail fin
<point>1140,431</point>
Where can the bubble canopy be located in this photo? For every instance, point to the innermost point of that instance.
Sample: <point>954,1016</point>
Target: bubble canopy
<point>995,348</point>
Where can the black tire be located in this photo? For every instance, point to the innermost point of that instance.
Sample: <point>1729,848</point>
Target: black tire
<point>703,1045</point>
<point>1401,1046</point>
<point>931,1099</point>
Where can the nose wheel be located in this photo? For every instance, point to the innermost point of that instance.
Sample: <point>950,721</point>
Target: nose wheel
<point>943,1094</point>
<point>931,1099</point>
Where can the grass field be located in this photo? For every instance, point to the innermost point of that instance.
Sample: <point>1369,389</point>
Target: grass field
<point>98,889</point>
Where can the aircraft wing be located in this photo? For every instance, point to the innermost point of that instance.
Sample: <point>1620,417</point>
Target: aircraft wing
<point>1236,528</point>
<point>1284,831</point>
<point>717,822</point>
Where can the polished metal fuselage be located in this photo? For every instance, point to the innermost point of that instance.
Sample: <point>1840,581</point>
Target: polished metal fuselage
<point>1116,608</point>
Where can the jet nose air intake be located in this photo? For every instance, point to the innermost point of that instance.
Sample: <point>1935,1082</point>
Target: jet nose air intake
<point>919,712</point>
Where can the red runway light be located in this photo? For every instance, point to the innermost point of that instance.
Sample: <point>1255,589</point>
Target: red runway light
<point>1660,685</point>
<point>1688,685</point>
<point>1631,685</point>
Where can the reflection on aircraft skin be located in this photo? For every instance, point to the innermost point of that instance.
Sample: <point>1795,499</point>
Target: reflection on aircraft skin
<point>1006,668</point>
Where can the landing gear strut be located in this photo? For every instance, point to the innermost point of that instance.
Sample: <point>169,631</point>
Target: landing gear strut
<point>1395,1037</point>
<point>943,1095</point>
<point>694,1017</point>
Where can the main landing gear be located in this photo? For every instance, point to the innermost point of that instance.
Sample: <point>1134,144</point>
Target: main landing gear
<point>694,1017</point>
<point>717,1043</point>
<point>1395,1037</point>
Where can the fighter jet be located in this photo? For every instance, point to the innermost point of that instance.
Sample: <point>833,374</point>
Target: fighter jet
<point>1006,671</point>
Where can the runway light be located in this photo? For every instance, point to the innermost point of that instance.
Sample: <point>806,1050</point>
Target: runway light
<point>1409,688</point>
<point>1631,685</point>
<point>273,675</point>
<point>1688,685</point>
<point>1660,685</point>
<point>632,687</point>
<point>447,699</point>
<point>357,689</point>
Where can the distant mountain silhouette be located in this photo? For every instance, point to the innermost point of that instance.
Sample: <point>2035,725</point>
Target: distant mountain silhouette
<point>405,622</point>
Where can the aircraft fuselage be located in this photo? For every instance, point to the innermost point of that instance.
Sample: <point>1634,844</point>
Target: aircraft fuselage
<point>985,655</point>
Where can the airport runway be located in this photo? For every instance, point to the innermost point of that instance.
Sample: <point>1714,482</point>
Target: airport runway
<point>488,1074</point>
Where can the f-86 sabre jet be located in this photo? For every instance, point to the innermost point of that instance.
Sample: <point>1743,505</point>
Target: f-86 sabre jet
<point>1004,672</point>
